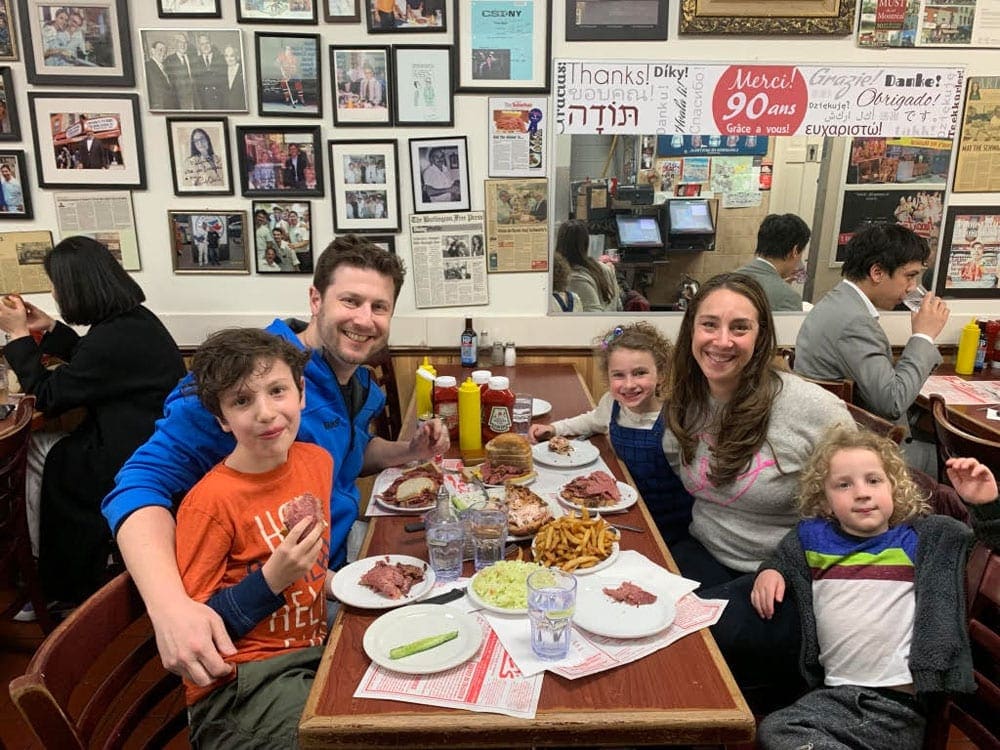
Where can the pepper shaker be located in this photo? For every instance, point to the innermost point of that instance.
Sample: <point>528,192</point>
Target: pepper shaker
<point>497,357</point>
<point>510,354</point>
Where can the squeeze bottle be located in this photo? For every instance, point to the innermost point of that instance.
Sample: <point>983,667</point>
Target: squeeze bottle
<point>423,388</point>
<point>968,345</point>
<point>470,433</point>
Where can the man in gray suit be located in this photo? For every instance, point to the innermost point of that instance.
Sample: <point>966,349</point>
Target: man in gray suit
<point>841,336</point>
<point>781,241</point>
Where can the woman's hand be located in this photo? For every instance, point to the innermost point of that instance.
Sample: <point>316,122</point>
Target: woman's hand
<point>768,588</point>
<point>539,432</point>
<point>973,481</point>
<point>294,557</point>
<point>14,316</point>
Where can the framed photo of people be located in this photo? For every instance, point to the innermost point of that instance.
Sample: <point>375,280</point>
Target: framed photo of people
<point>280,161</point>
<point>406,17</point>
<point>616,20</point>
<point>364,179</point>
<point>439,173</point>
<point>197,70</point>
<point>282,242</point>
<point>86,44</point>
<point>503,46</point>
<point>385,241</point>
<point>362,85</point>
<point>969,266</point>
<point>341,11</point>
<point>277,11</point>
<point>200,155</point>
<point>15,200</point>
<point>8,38</point>
<point>289,75</point>
<point>10,126</point>
<point>206,241</point>
<point>422,85</point>
<point>188,8</point>
<point>87,140</point>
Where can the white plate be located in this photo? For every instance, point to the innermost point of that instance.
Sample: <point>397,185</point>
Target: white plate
<point>347,589</point>
<point>584,452</point>
<point>382,482</point>
<point>600,614</point>
<point>470,592</point>
<point>539,407</point>
<point>402,626</point>
<point>524,481</point>
<point>607,561</point>
<point>404,511</point>
<point>629,498</point>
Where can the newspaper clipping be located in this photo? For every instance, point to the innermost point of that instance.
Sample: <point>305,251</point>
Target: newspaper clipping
<point>974,247</point>
<point>21,257</point>
<point>517,229</point>
<point>449,259</point>
<point>517,137</point>
<point>105,217</point>
<point>978,166</point>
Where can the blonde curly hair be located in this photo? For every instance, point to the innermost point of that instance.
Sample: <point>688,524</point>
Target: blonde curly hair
<point>907,499</point>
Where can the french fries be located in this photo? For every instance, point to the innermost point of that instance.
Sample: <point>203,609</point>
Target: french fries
<point>573,542</point>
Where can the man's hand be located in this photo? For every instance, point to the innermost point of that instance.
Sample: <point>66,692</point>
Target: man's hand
<point>973,481</point>
<point>192,641</point>
<point>294,557</point>
<point>430,439</point>
<point>930,317</point>
<point>768,588</point>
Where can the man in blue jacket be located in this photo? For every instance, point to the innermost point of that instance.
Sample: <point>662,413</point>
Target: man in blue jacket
<point>352,299</point>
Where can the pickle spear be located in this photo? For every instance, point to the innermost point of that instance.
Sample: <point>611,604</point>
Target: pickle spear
<point>409,649</point>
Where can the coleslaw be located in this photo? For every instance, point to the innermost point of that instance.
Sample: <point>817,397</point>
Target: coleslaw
<point>505,584</point>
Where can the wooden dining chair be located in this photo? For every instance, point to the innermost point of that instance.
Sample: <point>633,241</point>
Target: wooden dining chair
<point>97,680</point>
<point>952,441</point>
<point>16,558</point>
<point>390,421</point>
<point>843,389</point>
<point>975,714</point>
<point>875,423</point>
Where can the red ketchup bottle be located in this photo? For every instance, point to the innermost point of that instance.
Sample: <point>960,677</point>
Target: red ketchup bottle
<point>498,408</point>
<point>445,400</point>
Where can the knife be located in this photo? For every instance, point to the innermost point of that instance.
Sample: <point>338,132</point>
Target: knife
<point>444,598</point>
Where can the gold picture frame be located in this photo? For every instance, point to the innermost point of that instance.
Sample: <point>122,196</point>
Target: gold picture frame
<point>786,17</point>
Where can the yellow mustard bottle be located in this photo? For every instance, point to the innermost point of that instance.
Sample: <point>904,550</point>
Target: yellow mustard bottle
<point>470,436</point>
<point>424,387</point>
<point>968,345</point>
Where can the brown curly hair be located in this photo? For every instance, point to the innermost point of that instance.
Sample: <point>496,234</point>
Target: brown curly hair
<point>640,337</point>
<point>907,499</point>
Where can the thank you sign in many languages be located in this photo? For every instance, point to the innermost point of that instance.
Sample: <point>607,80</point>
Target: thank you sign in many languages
<point>759,100</point>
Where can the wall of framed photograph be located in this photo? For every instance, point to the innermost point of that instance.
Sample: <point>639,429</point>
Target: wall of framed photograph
<point>105,216</point>
<point>517,228</point>
<point>503,46</point>
<point>277,11</point>
<point>10,125</point>
<point>289,75</point>
<point>362,85</point>
<point>422,85</point>
<point>200,155</point>
<point>198,70</point>
<point>15,195</point>
<point>970,254</point>
<point>439,174</point>
<point>8,34</point>
<point>276,161</point>
<point>798,17</point>
<point>341,11</point>
<point>87,140</point>
<point>209,242</point>
<point>407,18</point>
<point>977,168</point>
<point>86,44</point>
<point>616,20</point>
<point>282,240</point>
<point>22,255</point>
<point>364,180</point>
<point>189,8</point>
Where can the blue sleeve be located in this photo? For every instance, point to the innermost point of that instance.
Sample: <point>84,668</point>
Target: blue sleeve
<point>245,604</point>
<point>187,443</point>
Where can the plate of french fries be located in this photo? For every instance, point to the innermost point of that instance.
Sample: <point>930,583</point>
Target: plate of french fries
<point>577,544</point>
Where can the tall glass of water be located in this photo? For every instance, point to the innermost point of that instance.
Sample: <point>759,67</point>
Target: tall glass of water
<point>551,603</point>
<point>914,297</point>
<point>521,413</point>
<point>445,544</point>
<point>488,528</point>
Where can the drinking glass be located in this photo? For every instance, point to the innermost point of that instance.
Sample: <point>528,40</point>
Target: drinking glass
<point>489,532</point>
<point>551,602</point>
<point>914,297</point>
<point>521,413</point>
<point>445,544</point>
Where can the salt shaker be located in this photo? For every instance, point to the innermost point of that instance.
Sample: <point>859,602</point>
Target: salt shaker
<point>510,355</point>
<point>497,357</point>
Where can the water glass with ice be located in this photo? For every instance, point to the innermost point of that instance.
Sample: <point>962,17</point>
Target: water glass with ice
<point>914,297</point>
<point>445,544</point>
<point>488,527</point>
<point>551,603</point>
<point>521,413</point>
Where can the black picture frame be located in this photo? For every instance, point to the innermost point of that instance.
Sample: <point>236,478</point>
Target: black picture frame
<point>17,163</point>
<point>232,255</point>
<point>606,20</point>
<point>488,70</point>
<point>206,173</point>
<point>264,172</point>
<point>416,74</point>
<point>58,122</point>
<point>348,16</point>
<point>289,84</point>
<point>963,230</point>
<point>455,167</point>
<point>432,17</point>
<point>298,256</point>
<point>385,241</point>
<point>105,61</point>
<point>354,187</point>
<point>164,9</point>
<point>8,49</point>
<point>10,125</point>
<point>280,12</point>
<point>353,105</point>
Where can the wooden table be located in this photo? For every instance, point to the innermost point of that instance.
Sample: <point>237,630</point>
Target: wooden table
<point>683,694</point>
<point>969,417</point>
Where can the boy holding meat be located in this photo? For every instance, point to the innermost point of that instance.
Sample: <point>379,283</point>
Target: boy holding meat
<point>253,542</point>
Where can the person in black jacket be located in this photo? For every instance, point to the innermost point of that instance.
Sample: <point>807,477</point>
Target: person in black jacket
<point>120,372</point>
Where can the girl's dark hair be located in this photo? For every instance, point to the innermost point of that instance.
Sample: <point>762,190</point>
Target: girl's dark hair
<point>572,242</point>
<point>88,283</point>
<point>741,426</point>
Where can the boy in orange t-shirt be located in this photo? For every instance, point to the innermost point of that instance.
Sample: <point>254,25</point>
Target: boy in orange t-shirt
<point>253,542</point>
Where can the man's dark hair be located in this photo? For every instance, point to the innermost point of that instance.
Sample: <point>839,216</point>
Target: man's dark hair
<point>229,357</point>
<point>779,233</point>
<point>890,246</point>
<point>88,283</point>
<point>357,252</point>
